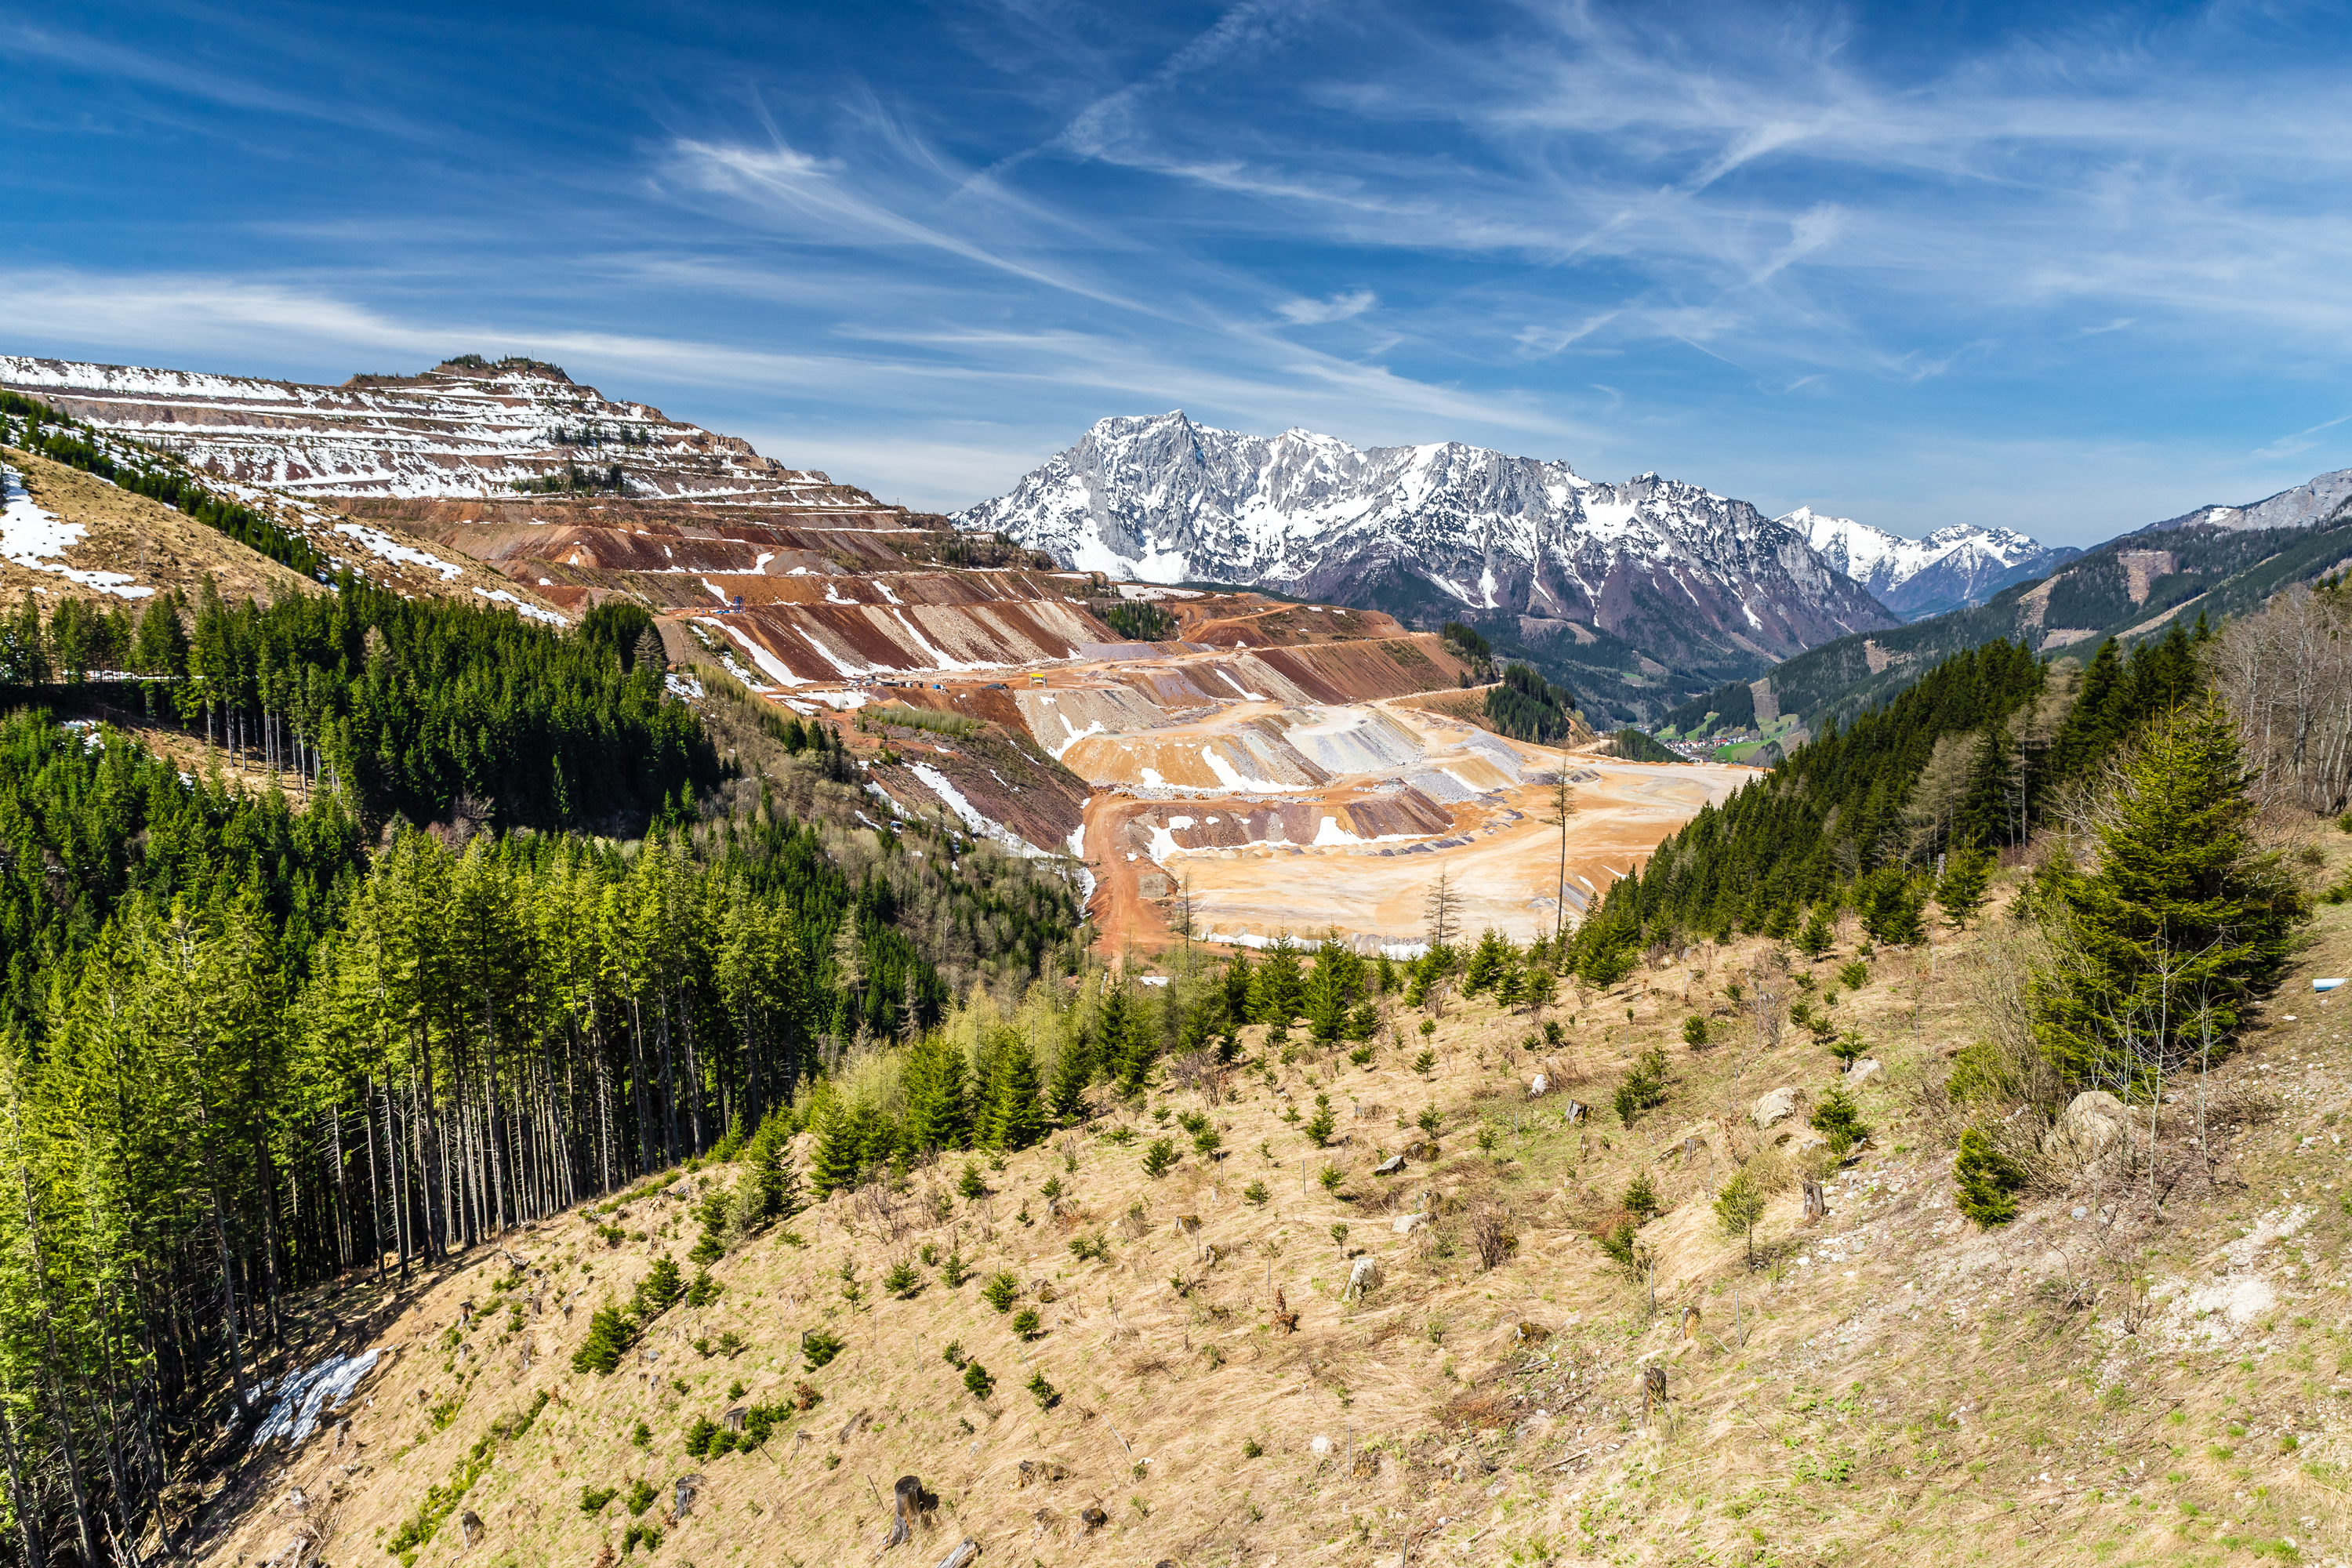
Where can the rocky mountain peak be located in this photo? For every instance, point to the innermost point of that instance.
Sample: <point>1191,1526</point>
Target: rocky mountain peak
<point>1666,572</point>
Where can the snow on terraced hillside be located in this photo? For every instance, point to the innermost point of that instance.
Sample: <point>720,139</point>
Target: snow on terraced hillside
<point>460,429</point>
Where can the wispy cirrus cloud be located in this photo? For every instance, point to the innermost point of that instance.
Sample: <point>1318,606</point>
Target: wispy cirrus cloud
<point>1806,239</point>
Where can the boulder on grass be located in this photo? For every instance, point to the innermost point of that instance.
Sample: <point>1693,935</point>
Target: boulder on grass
<point>2094,1126</point>
<point>1778,1106</point>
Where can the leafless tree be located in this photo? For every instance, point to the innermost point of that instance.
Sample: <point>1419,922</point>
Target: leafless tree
<point>1441,912</point>
<point>1559,802</point>
<point>2286,678</point>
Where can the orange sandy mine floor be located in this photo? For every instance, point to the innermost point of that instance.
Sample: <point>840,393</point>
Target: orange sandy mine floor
<point>1505,876</point>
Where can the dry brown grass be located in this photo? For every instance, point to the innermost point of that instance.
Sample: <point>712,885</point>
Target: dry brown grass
<point>1891,1383</point>
<point>158,547</point>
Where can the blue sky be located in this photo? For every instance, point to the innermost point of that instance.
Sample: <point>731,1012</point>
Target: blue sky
<point>2060,268</point>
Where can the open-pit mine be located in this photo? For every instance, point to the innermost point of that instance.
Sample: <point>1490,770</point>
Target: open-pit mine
<point>1264,766</point>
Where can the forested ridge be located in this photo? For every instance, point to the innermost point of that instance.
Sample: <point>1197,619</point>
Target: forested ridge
<point>1968,760</point>
<point>251,1039</point>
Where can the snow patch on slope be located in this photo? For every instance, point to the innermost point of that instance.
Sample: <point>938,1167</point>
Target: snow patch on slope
<point>30,535</point>
<point>383,547</point>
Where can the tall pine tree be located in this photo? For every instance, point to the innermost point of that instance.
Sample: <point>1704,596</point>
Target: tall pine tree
<point>2181,919</point>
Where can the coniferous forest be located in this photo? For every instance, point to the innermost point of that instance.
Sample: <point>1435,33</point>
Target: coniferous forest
<point>505,930</point>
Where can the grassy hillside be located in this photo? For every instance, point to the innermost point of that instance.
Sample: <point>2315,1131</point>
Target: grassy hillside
<point>2101,1380</point>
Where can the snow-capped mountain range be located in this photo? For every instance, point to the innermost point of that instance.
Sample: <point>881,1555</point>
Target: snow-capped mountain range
<point>1950,568</point>
<point>1689,578</point>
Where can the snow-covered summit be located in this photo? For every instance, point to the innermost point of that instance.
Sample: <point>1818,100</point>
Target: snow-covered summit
<point>1951,568</point>
<point>1430,530</point>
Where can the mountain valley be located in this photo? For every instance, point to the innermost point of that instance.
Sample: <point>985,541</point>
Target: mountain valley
<point>575,992</point>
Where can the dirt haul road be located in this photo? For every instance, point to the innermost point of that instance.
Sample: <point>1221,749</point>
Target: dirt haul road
<point>1360,853</point>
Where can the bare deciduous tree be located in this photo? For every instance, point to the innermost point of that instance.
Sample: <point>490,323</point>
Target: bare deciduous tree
<point>1441,912</point>
<point>2286,678</point>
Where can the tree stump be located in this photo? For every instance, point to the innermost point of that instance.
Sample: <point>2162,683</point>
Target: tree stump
<point>1285,1319</point>
<point>1817,1207</point>
<point>1654,1391</point>
<point>966,1551</point>
<point>471,1523</point>
<point>907,1498</point>
<point>1690,1322</point>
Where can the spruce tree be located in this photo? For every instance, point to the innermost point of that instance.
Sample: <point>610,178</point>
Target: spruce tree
<point>610,1334</point>
<point>1238,986</point>
<point>1486,962</point>
<point>1015,1117</point>
<point>1888,901</point>
<point>766,1192</point>
<point>1327,1003</point>
<point>2181,919</point>
<point>938,1114</point>
<point>1130,1041</point>
<point>1984,815</point>
<point>1960,890</point>
<point>1279,990</point>
<point>1072,1071</point>
<point>849,1138</point>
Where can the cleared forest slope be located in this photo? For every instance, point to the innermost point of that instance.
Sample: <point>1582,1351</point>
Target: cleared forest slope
<point>2101,1380</point>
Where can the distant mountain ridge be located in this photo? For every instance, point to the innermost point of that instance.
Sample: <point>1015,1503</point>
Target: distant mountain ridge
<point>1638,592</point>
<point>2302,505</point>
<point>1950,568</point>
<point>2215,561</point>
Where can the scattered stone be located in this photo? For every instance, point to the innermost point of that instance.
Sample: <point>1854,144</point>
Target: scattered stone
<point>1778,1106</point>
<point>1802,1141</point>
<point>1864,1069</point>
<point>1406,1224</point>
<point>1319,1446</point>
<point>2093,1123</point>
<point>1538,1085</point>
<point>1362,1280</point>
<point>1043,1472</point>
<point>1389,1166</point>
